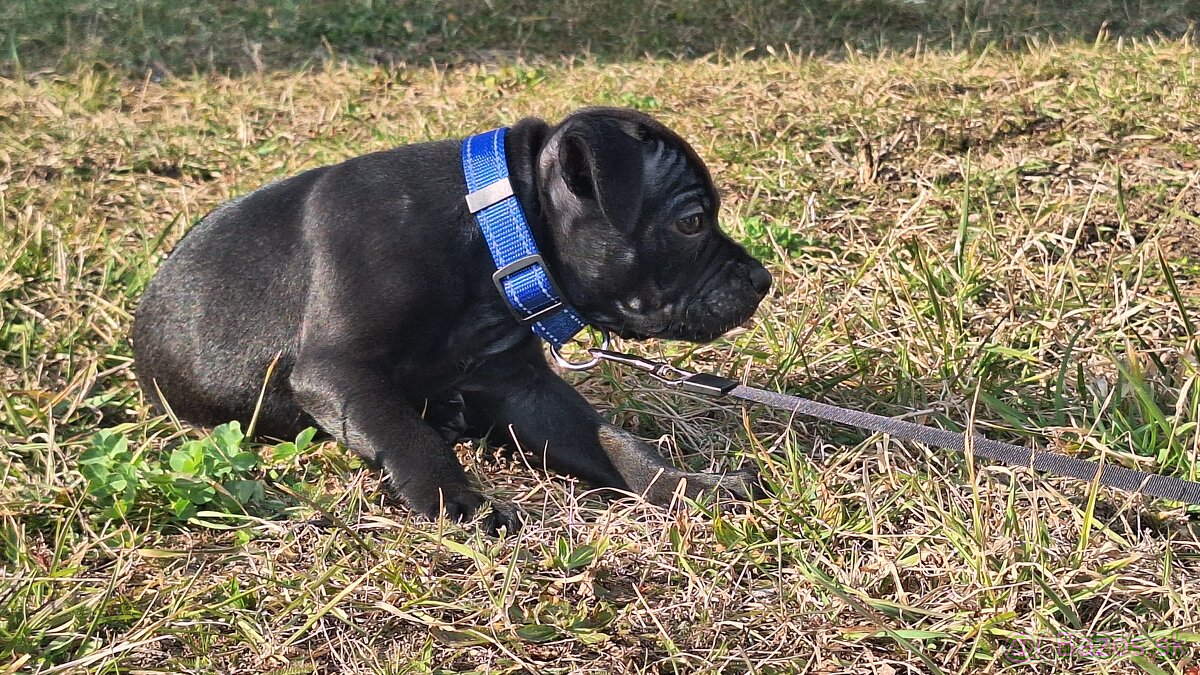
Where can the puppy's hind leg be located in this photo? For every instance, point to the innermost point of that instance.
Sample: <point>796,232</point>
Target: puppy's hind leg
<point>356,403</point>
<point>659,480</point>
<point>550,418</point>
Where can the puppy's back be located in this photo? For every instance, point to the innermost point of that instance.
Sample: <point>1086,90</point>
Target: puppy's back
<point>231,297</point>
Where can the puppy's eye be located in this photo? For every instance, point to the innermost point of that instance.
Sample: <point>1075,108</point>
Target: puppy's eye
<point>690,225</point>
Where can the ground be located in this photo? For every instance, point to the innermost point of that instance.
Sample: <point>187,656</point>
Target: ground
<point>992,224</point>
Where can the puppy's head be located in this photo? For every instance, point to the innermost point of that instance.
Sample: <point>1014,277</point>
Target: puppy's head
<point>633,217</point>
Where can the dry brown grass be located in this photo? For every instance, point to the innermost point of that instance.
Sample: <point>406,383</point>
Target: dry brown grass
<point>953,236</point>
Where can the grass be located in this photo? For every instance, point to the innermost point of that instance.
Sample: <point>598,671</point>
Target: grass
<point>170,37</point>
<point>1002,237</point>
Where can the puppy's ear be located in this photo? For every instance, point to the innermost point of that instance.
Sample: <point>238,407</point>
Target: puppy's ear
<point>601,162</point>
<point>575,161</point>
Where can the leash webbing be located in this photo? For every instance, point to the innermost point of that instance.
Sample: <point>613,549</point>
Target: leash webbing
<point>1110,475</point>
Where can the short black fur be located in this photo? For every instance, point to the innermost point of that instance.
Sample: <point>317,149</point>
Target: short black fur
<point>369,285</point>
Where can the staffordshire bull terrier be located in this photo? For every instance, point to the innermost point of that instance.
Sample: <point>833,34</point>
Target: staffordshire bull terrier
<point>370,287</point>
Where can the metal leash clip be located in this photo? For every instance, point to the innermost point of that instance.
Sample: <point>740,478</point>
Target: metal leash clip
<point>568,364</point>
<point>676,378</point>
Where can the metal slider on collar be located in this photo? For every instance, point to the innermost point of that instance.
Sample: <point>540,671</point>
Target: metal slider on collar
<point>492,193</point>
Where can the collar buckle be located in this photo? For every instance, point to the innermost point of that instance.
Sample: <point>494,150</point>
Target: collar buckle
<point>514,268</point>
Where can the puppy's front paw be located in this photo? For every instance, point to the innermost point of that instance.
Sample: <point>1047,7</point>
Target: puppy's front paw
<point>457,505</point>
<point>460,504</point>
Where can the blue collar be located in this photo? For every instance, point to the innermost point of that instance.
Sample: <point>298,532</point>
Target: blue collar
<point>521,275</point>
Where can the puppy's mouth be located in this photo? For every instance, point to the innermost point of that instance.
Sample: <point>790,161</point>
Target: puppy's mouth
<point>688,332</point>
<point>700,324</point>
<point>703,319</point>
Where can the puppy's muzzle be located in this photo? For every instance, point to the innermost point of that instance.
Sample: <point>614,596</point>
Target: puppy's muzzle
<point>727,300</point>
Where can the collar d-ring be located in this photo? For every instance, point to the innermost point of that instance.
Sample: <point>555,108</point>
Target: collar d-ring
<point>592,362</point>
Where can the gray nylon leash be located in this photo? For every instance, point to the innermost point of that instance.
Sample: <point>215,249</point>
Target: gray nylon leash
<point>1110,475</point>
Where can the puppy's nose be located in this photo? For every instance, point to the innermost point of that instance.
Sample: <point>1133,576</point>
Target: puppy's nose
<point>760,278</point>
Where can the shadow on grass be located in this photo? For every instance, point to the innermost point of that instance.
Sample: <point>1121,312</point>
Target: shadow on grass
<point>235,36</point>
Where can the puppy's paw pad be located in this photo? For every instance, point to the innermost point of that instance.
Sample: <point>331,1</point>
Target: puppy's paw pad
<point>503,520</point>
<point>447,416</point>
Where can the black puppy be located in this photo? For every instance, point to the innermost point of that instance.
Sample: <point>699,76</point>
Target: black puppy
<point>371,284</point>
